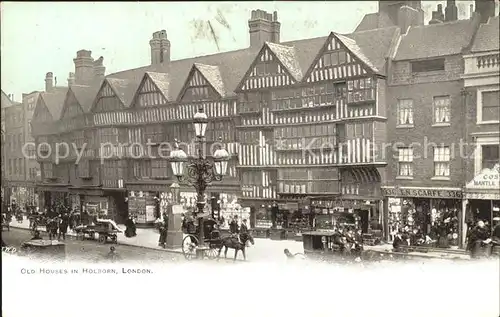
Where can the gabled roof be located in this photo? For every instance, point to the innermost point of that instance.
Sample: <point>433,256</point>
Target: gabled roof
<point>54,101</point>
<point>226,70</point>
<point>85,95</point>
<point>288,57</point>
<point>232,66</point>
<point>6,102</point>
<point>487,37</point>
<point>162,82</point>
<point>213,76</point>
<point>374,21</point>
<point>124,89</point>
<point>353,47</point>
<point>375,45</point>
<point>435,40</point>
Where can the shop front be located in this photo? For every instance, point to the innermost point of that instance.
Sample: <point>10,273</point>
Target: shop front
<point>53,197</point>
<point>435,212</point>
<point>481,199</point>
<point>143,207</point>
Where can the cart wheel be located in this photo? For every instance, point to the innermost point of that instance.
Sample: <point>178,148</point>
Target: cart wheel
<point>212,253</point>
<point>102,238</point>
<point>189,245</point>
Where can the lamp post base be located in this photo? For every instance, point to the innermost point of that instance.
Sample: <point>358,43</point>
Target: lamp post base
<point>200,252</point>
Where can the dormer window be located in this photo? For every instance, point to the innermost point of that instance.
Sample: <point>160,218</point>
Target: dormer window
<point>430,65</point>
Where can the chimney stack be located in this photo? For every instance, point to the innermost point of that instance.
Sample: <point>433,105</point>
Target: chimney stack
<point>437,16</point>
<point>99,69</point>
<point>263,27</point>
<point>486,8</point>
<point>49,82</point>
<point>71,79</point>
<point>451,11</point>
<point>84,67</point>
<point>160,48</point>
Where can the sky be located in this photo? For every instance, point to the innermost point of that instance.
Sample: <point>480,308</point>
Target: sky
<point>41,37</point>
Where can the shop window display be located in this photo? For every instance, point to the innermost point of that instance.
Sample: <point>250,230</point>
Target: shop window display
<point>432,220</point>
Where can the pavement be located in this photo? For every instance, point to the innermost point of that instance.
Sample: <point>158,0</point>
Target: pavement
<point>264,250</point>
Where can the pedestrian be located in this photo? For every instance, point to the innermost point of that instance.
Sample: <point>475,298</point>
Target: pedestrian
<point>163,233</point>
<point>130,230</point>
<point>63,226</point>
<point>113,255</point>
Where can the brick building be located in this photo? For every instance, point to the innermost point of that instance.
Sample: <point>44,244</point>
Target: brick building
<point>481,81</point>
<point>6,102</point>
<point>426,166</point>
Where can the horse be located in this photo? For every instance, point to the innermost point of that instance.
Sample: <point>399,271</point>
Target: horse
<point>231,242</point>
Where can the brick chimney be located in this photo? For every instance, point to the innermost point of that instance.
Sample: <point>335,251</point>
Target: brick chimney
<point>263,27</point>
<point>486,8</point>
<point>437,16</point>
<point>451,11</point>
<point>71,79</point>
<point>84,67</point>
<point>49,82</point>
<point>99,68</point>
<point>160,48</point>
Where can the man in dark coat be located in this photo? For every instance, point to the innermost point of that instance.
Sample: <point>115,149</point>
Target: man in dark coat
<point>163,231</point>
<point>478,240</point>
<point>233,226</point>
<point>130,231</point>
<point>495,236</point>
<point>63,226</point>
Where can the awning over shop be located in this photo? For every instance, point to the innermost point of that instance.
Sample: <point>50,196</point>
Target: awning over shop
<point>485,185</point>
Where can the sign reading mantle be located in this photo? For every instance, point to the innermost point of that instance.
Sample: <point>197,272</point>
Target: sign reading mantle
<point>485,185</point>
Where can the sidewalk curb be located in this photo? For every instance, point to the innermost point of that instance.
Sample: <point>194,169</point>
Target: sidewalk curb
<point>118,242</point>
<point>135,245</point>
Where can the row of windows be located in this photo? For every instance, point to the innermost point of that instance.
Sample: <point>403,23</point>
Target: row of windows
<point>16,166</point>
<point>304,187</point>
<point>442,157</point>
<point>14,141</point>
<point>441,111</point>
<point>307,174</point>
<point>319,95</point>
<point>305,131</point>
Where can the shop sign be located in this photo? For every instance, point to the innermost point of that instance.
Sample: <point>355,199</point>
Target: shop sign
<point>487,179</point>
<point>422,193</point>
<point>484,196</point>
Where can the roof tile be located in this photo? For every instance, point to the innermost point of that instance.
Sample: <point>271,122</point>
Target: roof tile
<point>487,37</point>
<point>54,101</point>
<point>212,74</point>
<point>85,95</point>
<point>288,58</point>
<point>162,81</point>
<point>435,40</point>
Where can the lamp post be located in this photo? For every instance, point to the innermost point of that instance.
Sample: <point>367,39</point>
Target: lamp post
<point>200,172</point>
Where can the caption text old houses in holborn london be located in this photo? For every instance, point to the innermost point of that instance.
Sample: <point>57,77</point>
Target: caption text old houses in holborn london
<point>304,120</point>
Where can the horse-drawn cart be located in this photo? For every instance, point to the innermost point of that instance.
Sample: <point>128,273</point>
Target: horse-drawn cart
<point>104,228</point>
<point>213,242</point>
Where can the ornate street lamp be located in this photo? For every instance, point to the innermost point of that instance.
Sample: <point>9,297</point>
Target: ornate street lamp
<point>200,172</point>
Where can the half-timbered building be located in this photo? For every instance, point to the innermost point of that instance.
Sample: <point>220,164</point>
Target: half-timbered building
<point>310,112</point>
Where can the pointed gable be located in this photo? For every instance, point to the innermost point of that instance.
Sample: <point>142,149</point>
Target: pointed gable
<point>213,76</point>
<point>197,86</point>
<point>152,91</point>
<point>339,59</point>
<point>267,70</point>
<point>85,95</point>
<point>112,95</point>
<point>71,106</point>
<point>41,113</point>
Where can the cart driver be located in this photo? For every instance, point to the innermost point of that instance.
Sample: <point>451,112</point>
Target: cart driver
<point>234,228</point>
<point>339,239</point>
